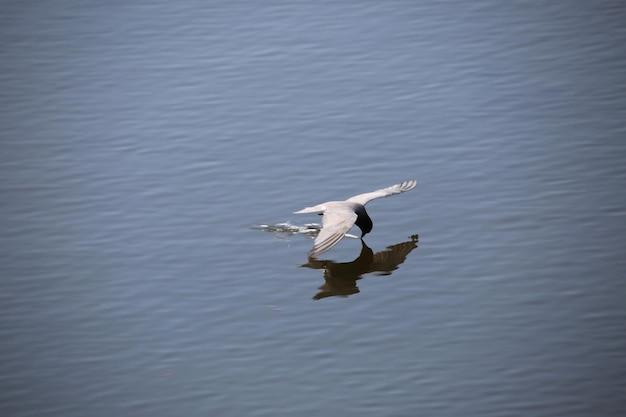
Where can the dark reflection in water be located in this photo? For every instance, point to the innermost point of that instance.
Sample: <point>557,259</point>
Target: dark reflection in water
<point>340,278</point>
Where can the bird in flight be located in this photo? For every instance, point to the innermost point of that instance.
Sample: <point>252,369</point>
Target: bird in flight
<point>340,216</point>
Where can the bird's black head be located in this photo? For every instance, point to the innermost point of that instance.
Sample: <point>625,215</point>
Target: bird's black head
<point>364,222</point>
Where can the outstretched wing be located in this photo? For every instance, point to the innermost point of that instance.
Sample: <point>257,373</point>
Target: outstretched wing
<point>335,224</point>
<point>384,192</point>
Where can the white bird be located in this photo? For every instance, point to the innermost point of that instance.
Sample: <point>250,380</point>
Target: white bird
<point>340,216</point>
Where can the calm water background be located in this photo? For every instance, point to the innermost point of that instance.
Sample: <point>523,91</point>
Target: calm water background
<point>142,140</point>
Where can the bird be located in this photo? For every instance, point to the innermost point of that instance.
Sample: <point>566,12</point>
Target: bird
<point>340,216</point>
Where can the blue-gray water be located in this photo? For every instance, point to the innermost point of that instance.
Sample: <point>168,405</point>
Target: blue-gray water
<point>143,141</point>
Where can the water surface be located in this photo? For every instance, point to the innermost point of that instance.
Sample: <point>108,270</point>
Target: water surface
<point>142,143</point>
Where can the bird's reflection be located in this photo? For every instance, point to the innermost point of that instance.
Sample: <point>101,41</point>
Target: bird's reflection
<point>340,278</point>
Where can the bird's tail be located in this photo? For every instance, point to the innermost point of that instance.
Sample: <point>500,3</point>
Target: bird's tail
<point>315,209</point>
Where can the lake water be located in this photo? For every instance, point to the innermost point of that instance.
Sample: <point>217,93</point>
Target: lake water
<point>144,143</point>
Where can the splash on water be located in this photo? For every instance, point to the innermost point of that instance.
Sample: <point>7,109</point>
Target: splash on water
<point>287,229</point>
